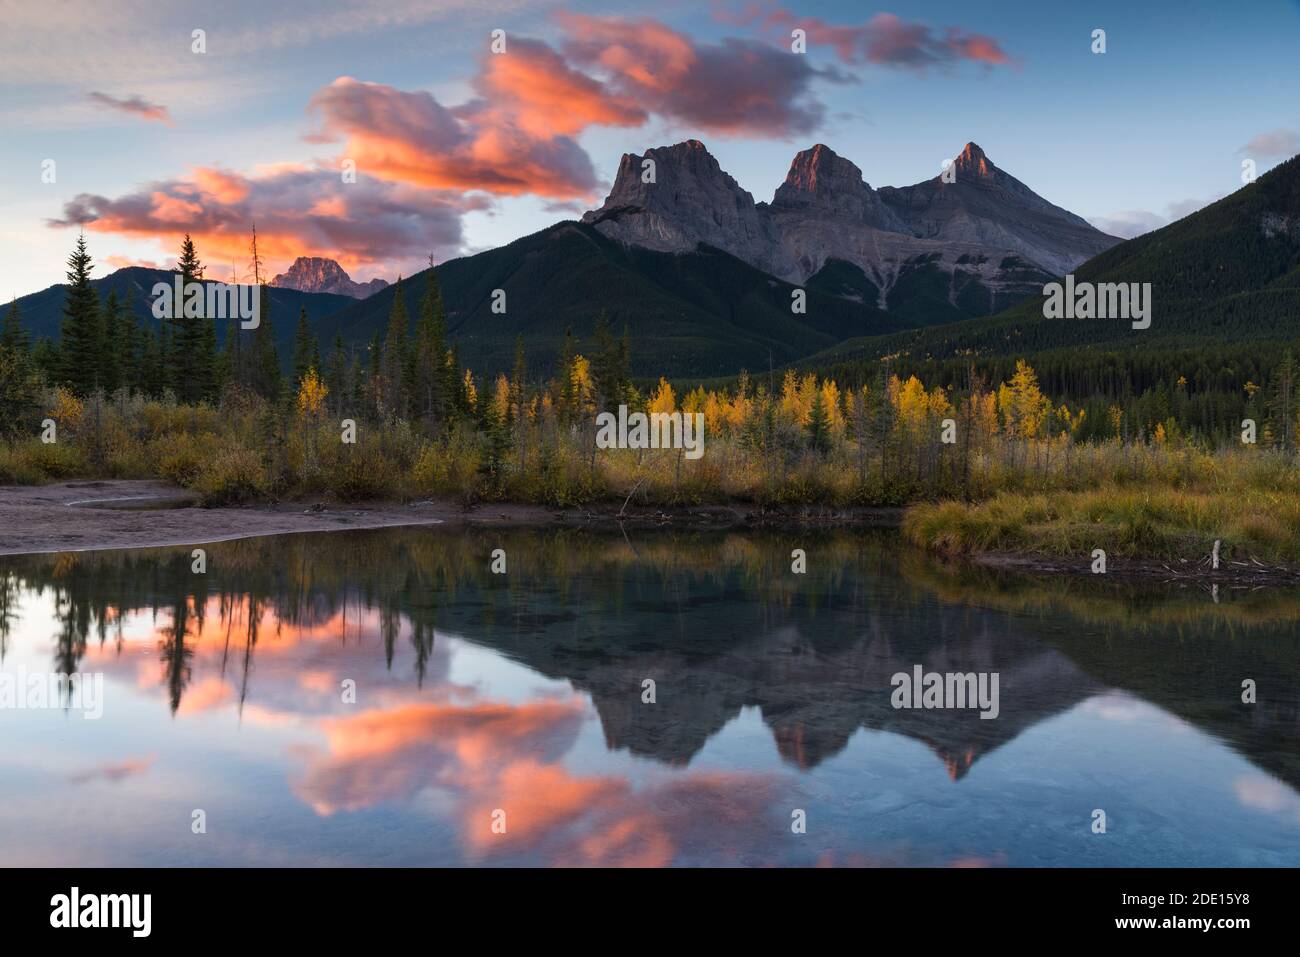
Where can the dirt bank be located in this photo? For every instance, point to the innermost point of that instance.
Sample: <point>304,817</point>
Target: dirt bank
<point>82,516</point>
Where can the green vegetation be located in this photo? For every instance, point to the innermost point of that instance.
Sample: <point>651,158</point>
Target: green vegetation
<point>1161,472</point>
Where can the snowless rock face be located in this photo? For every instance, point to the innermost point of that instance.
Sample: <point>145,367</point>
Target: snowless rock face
<point>314,274</point>
<point>690,201</point>
<point>986,227</point>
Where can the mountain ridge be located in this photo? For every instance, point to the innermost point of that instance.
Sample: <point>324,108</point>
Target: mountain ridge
<point>976,243</point>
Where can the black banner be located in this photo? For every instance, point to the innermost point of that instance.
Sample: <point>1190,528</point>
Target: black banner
<point>336,906</point>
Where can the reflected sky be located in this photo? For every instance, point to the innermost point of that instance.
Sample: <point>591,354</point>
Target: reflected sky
<point>522,694</point>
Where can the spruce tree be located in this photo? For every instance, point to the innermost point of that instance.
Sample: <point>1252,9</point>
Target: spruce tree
<point>819,424</point>
<point>110,367</point>
<point>265,371</point>
<point>191,365</point>
<point>81,336</point>
<point>153,363</point>
<point>12,334</point>
<point>393,366</point>
<point>336,373</point>
<point>303,347</point>
<point>434,380</point>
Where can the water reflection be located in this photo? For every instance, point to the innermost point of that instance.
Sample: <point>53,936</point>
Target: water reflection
<point>478,693</point>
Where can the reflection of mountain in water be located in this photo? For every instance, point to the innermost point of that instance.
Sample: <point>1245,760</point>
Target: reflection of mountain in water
<point>816,679</point>
<point>719,623</point>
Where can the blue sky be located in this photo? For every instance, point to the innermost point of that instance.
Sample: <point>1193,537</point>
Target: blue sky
<point>1148,131</point>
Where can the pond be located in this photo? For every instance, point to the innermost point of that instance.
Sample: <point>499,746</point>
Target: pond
<point>650,698</point>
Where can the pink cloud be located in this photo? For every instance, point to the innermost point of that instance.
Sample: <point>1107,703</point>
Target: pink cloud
<point>884,40</point>
<point>135,105</point>
<point>735,88</point>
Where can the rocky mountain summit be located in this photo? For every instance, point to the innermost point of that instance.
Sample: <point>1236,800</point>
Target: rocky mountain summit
<point>967,247</point>
<point>315,274</point>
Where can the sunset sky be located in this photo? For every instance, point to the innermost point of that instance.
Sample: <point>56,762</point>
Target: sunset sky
<point>458,149</point>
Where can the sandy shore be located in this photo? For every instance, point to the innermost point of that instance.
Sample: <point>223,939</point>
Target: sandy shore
<point>82,516</point>
<point>88,515</point>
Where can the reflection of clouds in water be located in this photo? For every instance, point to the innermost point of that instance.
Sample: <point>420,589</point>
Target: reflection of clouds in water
<point>114,771</point>
<point>491,755</point>
<point>1265,793</point>
<point>1119,706</point>
<point>294,669</point>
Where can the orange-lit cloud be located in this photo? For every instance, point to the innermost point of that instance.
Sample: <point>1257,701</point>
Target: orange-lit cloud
<point>298,212</point>
<point>409,137</point>
<point>546,97</point>
<point>391,754</point>
<point>498,757</point>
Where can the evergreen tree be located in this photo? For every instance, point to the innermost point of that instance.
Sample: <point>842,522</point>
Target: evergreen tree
<point>1282,401</point>
<point>192,356</point>
<point>336,371</point>
<point>567,398</point>
<point>48,360</point>
<point>434,382</point>
<point>518,383</point>
<point>819,424</point>
<point>373,373</point>
<point>607,373</point>
<point>393,364</point>
<point>303,349</point>
<point>265,361</point>
<point>111,356</point>
<point>81,337</point>
<point>153,363</point>
<point>12,334</point>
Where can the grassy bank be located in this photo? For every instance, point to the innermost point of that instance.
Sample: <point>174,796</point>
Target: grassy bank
<point>1131,522</point>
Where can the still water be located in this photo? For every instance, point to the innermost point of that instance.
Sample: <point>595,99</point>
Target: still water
<point>382,697</point>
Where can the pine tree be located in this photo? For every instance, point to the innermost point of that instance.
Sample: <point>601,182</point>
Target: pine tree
<point>304,346</point>
<point>12,334</point>
<point>434,381</point>
<point>48,360</point>
<point>393,365</point>
<point>189,357</point>
<point>1282,402</point>
<point>336,371</point>
<point>111,364</point>
<point>819,424</point>
<point>265,361</point>
<point>153,363</point>
<point>567,399</point>
<point>81,336</point>
<point>604,370</point>
<point>130,352</point>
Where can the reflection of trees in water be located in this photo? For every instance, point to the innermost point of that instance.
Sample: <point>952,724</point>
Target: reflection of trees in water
<point>173,652</point>
<point>721,613</point>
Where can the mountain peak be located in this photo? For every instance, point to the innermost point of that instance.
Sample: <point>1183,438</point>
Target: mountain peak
<point>319,274</point>
<point>820,169</point>
<point>973,162</point>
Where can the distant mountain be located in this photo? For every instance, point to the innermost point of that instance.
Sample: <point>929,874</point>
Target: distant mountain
<point>930,253</point>
<point>42,312</point>
<point>702,313</point>
<point>314,274</point>
<point>1229,273</point>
